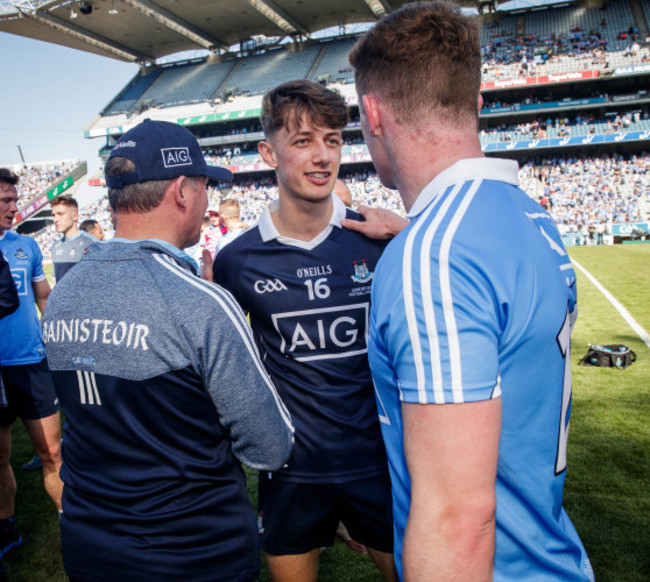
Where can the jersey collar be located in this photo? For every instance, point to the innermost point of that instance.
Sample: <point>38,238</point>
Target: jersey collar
<point>468,169</point>
<point>268,232</point>
<point>182,255</point>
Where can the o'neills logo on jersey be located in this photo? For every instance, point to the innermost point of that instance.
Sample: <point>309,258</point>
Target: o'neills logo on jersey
<point>318,271</point>
<point>173,157</point>
<point>97,331</point>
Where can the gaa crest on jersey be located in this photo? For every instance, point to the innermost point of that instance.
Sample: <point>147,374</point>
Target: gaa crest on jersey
<point>361,272</point>
<point>269,286</point>
<point>21,254</point>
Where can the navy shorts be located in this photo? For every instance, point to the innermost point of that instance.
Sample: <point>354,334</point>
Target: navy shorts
<point>295,518</point>
<point>28,393</point>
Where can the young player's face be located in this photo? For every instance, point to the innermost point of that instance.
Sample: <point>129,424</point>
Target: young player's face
<point>65,217</point>
<point>8,207</point>
<point>306,159</point>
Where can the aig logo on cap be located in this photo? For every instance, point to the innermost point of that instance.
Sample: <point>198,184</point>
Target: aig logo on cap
<point>176,157</point>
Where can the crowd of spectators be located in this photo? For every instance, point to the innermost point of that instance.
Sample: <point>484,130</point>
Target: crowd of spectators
<point>581,194</point>
<point>35,179</point>
<point>246,153</point>
<point>566,125</point>
<point>585,194</point>
<point>507,54</point>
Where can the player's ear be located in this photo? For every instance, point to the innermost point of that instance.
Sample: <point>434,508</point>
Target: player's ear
<point>371,110</point>
<point>480,102</point>
<point>265,148</point>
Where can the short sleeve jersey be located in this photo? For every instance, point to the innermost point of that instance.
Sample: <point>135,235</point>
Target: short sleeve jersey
<point>67,252</point>
<point>475,300</point>
<point>309,305</point>
<point>22,340</point>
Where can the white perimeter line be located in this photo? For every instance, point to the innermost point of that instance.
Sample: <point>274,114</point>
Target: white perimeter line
<point>642,333</point>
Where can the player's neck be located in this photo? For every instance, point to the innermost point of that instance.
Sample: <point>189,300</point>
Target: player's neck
<point>302,219</point>
<point>71,232</point>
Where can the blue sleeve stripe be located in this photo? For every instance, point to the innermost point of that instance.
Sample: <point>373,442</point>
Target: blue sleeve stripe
<point>447,299</point>
<point>236,316</point>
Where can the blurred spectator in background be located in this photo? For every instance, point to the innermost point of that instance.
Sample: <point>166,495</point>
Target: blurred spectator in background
<point>343,192</point>
<point>71,247</point>
<point>92,227</point>
<point>229,219</point>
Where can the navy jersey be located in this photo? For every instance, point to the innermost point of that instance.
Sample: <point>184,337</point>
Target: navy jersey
<point>9,301</point>
<point>309,307</point>
<point>150,375</point>
<point>67,252</point>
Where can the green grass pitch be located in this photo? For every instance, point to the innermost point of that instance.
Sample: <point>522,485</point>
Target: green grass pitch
<point>608,476</point>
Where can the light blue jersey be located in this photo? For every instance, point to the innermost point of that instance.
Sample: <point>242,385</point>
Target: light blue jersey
<point>22,340</point>
<point>67,252</point>
<point>476,300</point>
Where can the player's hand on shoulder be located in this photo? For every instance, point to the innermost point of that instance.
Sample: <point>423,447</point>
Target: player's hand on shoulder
<point>379,224</point>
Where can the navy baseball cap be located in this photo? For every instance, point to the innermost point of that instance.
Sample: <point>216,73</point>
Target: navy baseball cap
<point>162,150</point>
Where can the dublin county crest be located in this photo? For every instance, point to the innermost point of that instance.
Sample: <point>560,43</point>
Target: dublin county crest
<point>361,272</point>
<point>21,254</point>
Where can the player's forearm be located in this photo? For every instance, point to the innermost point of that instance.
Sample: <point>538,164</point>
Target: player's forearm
<point>454,547</point>
<point>261,430</point>
<point>249,406</point>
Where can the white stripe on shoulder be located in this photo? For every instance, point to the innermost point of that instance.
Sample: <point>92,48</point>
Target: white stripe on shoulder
<point>427,302</point>
<point>427,294</point>
<point>236,316</point>
<point>446,293</point>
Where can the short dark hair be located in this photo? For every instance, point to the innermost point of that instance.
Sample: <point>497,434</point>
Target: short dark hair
<point>424,56</point>
<point>285,105</point>
<point>64,200</point>
<point>90,224</point>
<point>9,177</point>
<point>140,197</point>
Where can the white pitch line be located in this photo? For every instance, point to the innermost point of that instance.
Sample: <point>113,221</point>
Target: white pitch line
<point>625,314</point>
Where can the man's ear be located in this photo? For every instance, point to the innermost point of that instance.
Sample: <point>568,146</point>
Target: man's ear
<point>371,110</point>
<point>480,102</point>
<point>265,148</point>
<point>178,190</point>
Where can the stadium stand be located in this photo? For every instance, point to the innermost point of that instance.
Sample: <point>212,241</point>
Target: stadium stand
<point>578,192</point>
<point>38,178</point>
<point>131,94</point>
<point>559,83</point>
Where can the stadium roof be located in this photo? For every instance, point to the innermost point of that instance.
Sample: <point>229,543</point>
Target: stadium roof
<point>144,31</point>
